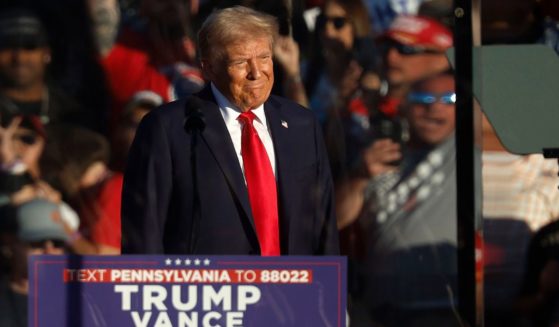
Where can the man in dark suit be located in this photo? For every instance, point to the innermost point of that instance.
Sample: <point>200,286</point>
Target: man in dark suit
<point>233,169</point>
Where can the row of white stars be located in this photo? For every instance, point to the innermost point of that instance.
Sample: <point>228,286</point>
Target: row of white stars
<point>187,262</point>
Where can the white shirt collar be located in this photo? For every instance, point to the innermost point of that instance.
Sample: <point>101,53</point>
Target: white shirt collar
<point>230,115</point>
<point>230,112</point>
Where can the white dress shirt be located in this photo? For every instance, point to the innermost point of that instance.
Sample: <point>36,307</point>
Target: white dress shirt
<point>231,114</point>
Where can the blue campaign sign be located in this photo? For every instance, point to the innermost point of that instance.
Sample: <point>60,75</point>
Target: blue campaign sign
<point>187,291</point>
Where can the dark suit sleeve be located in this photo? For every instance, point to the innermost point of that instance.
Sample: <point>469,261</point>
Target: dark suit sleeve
<point>328,237</point>
<point>147,189</point>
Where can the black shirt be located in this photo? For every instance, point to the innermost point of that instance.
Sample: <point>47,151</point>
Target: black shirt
<point>13,306</point>
<point>544,246</point>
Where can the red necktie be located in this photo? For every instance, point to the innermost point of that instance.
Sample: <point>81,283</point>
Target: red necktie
<point>261,185</point>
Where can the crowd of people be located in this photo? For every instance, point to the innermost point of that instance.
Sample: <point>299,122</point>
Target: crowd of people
<point>75,86</point>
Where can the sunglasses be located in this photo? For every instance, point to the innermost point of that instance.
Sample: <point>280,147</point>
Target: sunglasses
<point>338,21</point>
<point>408,50</point>
<point>28,139</point>
<point>42,244</point>
<point>426,98</point>
<point>29,46</point>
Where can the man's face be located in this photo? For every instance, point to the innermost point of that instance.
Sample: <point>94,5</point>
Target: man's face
<point>23,249</point>
<point>105,16</point>
<point>23,67</point>
<point>407,64</point>
<point>433,123</point>
<point>245,74</point>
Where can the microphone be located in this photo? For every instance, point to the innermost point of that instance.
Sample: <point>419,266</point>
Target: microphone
<point>194,117</point>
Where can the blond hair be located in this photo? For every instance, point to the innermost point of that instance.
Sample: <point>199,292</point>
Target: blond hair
<point>232,25</point>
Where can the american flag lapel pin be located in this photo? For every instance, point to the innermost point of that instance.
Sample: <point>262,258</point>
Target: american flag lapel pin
<point>284,124</point>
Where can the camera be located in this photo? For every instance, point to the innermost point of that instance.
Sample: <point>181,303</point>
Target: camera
<point>383,126</point>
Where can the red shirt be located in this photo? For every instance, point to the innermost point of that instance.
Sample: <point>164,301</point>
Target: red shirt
<point>106,230</point>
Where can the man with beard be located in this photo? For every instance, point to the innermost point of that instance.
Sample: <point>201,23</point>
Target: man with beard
<point>24,59</point>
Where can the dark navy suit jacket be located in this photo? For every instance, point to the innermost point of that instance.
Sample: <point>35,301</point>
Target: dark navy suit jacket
<point>163,213</point>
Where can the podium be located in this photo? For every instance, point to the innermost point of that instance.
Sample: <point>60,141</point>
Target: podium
<point>187,291</point>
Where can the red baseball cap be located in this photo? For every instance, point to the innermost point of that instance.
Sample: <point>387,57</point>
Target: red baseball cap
<point>419,31</point>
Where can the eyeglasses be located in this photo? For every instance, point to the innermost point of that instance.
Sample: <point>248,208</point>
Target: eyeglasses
<point>426,98</point>
<point>338,21</point>
<point>408,50</point>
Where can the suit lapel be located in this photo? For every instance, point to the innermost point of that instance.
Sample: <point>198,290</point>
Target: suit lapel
<point>280,134</point>
<point>216,137</point>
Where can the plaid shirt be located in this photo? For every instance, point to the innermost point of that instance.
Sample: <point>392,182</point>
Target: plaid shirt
<point>520,187</point>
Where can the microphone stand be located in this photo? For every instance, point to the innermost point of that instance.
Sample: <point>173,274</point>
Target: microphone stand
<point>194,125</point>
